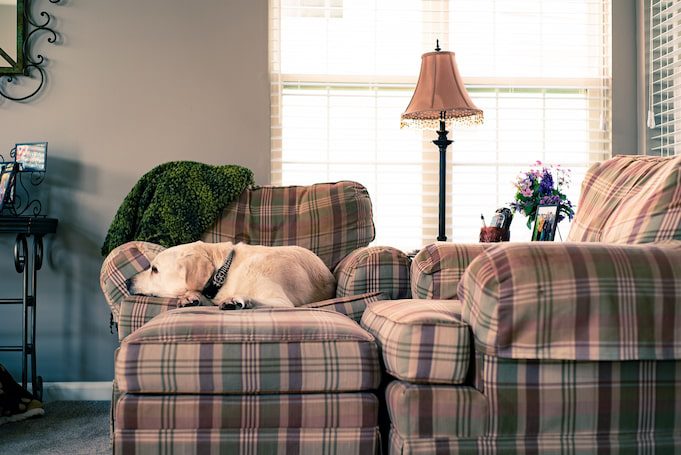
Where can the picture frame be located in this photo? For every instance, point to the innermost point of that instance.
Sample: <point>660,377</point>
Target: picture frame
<point>31,156</point>
<point>7,176</point>
<point>545,223</point>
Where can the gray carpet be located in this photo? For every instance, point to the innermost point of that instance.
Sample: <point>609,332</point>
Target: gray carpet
<point>68,427</point>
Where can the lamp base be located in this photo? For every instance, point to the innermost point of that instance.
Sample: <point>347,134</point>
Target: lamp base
<point>442,142</point>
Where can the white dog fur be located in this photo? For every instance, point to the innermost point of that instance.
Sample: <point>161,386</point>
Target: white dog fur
<point>260,276</point>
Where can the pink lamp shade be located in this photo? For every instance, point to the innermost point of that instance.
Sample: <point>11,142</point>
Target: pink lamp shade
<point>440,90</point>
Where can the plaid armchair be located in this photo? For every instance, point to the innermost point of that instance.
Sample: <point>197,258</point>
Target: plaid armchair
<point>200,380</point>
<point>547,348</point>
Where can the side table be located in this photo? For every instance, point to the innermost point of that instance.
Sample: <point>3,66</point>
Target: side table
<point>24,227</point>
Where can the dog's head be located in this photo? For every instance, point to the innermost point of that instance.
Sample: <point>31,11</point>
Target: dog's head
<point>175,271</point>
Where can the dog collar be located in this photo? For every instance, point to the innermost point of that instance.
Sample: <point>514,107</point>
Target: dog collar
<point>218,278</point>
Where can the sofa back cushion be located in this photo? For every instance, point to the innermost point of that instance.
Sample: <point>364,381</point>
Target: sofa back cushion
<point>330,219</point>
<point>630,199</point>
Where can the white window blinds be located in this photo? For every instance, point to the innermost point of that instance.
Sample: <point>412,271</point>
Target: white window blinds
<point>664,68</point>
<point>343,71</point>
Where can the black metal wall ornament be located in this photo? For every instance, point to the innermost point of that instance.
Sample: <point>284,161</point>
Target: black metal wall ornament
<point>19,202</point>
<point>27,65</point>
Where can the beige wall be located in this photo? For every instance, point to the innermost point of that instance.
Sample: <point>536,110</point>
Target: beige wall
<point>624,79</point>
<point>132,84</point>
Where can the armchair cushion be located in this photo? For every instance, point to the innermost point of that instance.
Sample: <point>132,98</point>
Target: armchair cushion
<point>438,267</point>
<point>287,350</point>
<point>137,310</point>
<point>630,199</point>
<point>421,340</point>
<point>329,219</point>
<point>352,306</point>
<point>374,269</point>
<point>575,301</point>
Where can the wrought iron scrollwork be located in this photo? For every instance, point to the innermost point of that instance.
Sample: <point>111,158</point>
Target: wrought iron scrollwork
<point>19,202</point>
<point>38,252</point>
<point>33,65</point>
<point>20,253</point>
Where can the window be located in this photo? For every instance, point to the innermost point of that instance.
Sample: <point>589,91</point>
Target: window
<point>665,91</point>
<point>341,77</point>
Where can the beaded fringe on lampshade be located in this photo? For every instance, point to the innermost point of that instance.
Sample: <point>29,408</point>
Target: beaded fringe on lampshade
<point>424,121</point>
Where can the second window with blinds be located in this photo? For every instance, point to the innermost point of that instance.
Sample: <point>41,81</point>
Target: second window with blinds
<point>343,71</point>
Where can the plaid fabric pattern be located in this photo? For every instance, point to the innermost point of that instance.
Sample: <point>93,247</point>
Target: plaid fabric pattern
<point>605,301</point>
<point>205,350</point>
<point>421,340</point>
<point>137,310</point>
<point>326,441</point>
<point>630,199</point>
<point>438,267</point>
<point>429,411</point>
<point>352,306</point>
<point>562,407</point>
<point>116,395</point>
<point>122,264</point>
<point>323,410</point>
<point>330,219</point>
<point>374,269</point>
<point>568,398</point>
<point>545,444</point>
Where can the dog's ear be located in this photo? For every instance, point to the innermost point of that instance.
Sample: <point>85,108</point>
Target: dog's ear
<point>198,270</point>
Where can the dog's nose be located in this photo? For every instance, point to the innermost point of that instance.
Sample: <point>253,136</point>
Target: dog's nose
<point>132,285</point>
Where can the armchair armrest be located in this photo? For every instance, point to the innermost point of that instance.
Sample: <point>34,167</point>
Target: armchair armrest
<point>575,301</point>
<point>438,267</point>
<point>374,269</point>
<point>120,265</point>
<point>137,310</point>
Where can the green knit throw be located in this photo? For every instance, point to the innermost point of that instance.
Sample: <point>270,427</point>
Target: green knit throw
<point>176,203</point>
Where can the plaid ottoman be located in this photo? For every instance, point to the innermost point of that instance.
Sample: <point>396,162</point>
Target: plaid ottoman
<point>201,380</point>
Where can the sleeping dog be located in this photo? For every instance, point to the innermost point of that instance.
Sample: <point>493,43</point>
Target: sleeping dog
<point>237,276</point>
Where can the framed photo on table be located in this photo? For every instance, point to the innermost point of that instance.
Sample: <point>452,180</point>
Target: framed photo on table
<point>545,223</point>
<point>31,156</point>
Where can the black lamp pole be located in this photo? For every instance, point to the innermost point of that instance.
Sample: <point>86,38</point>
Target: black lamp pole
<point>442,142</point>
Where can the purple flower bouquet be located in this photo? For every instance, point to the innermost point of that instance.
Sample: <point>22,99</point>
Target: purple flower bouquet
<point>542,185</point>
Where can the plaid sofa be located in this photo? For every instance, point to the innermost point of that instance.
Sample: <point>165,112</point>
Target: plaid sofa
<point>547,348</point>
<point>293,380</point>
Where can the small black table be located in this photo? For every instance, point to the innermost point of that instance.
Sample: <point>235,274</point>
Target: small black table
<point>24,227</point>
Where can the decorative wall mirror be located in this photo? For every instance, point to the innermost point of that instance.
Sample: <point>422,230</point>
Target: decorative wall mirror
<point>11,36</point>
<point>18,31</point>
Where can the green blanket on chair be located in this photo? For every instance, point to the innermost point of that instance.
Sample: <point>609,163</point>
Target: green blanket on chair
<point>176,203</point>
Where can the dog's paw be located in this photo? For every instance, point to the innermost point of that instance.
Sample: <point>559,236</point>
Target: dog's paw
<point>236,303</point>
<point>190,298</point>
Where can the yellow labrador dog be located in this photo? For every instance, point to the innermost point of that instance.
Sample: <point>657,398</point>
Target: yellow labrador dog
<point>237,276</point>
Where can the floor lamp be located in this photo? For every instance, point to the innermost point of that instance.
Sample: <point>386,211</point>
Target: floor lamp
<point>440,98</point>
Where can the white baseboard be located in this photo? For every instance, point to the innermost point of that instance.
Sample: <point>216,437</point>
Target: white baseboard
<point>76,391</point>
